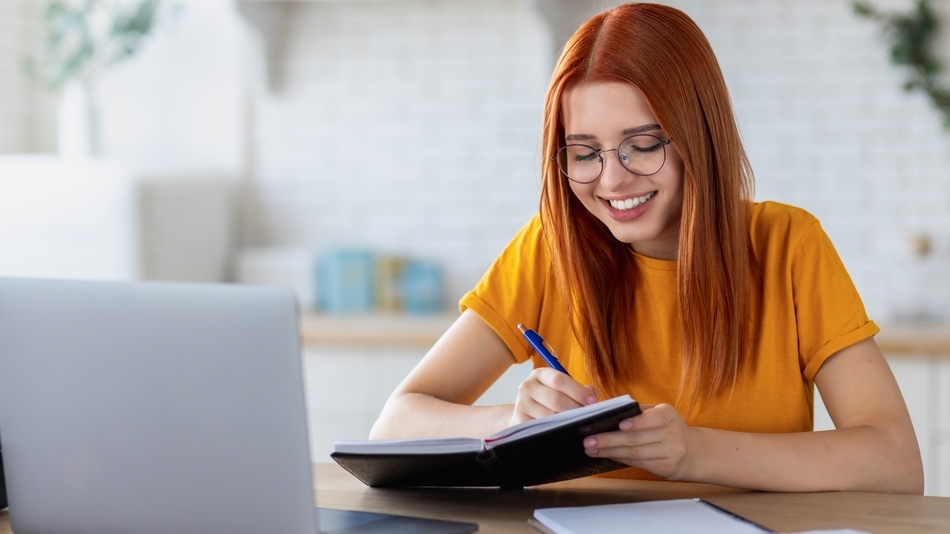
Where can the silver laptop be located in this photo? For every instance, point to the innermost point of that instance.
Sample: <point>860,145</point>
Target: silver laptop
<point>160,407</point>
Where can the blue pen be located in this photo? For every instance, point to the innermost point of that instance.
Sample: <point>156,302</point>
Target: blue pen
<point>539,345</point>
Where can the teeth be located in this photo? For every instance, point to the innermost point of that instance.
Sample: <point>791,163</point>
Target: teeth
<point>630,203</point>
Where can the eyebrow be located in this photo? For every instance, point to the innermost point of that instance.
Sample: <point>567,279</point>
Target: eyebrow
<point>628,131</point>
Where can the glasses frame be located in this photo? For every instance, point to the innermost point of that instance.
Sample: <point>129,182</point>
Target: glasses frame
<point>603,163</point>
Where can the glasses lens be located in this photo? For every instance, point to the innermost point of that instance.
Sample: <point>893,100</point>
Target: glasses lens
<point>643,154</point>
<point>579,163</point>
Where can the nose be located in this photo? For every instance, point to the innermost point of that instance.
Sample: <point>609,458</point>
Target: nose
<point>614,172</point>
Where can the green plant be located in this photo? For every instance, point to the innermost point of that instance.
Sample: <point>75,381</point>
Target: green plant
<point>910,36</point>
<point>85,37</point>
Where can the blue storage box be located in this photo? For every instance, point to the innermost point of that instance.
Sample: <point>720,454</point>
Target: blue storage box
<point>345,281</point>
<point>422,287</point>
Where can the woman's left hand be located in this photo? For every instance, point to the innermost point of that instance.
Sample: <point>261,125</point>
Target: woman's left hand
<point>658,440</point>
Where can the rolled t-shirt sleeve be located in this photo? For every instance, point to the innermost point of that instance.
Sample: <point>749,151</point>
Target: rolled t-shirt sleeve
<point>515,288</point>
<point>829,311</point>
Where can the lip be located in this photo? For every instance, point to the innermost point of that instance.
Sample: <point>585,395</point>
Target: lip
<point>630,214</point>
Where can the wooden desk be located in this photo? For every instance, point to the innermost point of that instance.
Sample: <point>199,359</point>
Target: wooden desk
<point>499,511</point>
<point>508,511</point>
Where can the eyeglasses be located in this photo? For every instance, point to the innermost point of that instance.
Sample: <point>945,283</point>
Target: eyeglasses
<point>641,154</point>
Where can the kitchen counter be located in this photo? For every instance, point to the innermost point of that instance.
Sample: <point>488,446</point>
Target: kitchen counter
<point>380,330</point>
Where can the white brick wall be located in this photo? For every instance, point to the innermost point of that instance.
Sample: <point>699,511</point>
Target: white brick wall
<point>445,96</point>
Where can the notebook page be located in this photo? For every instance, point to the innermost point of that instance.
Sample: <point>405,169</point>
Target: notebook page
<point>537,426</point>
<point>680,516</point>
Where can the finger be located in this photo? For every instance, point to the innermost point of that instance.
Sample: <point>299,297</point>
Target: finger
<point>541,394</point>
<point>623,439</point>
<point>651,416</point>
<point>580,394</point>
<point>649,452</point>
<point>653,425</point>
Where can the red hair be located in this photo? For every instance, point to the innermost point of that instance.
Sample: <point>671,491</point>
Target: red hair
<point>662,52</point>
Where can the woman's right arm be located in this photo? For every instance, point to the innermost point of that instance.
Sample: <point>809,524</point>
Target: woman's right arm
<point>435,399</point>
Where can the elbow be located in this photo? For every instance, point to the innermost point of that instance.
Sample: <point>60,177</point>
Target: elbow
<point>909,484</point>
<point>894,465</point>
<point>914,470</point>
<point>382,428</point>
<point>391,423</point>
<point>913,483</point>
<point>908,474</point>
<point>377,431</point>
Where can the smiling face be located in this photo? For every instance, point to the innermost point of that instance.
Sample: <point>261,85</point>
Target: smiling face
<point>643,211</point>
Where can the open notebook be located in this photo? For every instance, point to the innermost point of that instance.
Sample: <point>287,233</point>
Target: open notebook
<point>539,451</point>
<point>160,407</point>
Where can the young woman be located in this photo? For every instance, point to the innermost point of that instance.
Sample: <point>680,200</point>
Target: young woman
<point>650,271</point>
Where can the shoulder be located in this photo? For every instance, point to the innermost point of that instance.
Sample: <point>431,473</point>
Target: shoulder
<point>530,236</point>
<point>770,213</point>
<point>526,250</point>
<point>774,221</point>
<point>533,227</point>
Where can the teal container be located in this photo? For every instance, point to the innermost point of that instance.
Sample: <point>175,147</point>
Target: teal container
<point>422,287</point>
<point>346,281</point>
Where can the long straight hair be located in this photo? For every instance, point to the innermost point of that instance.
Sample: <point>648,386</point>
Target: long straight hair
<point>662,52</point>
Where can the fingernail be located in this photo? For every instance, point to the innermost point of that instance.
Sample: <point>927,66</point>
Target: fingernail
<point>626,425</point>
<point>590,443</point>
<point>592,400</point>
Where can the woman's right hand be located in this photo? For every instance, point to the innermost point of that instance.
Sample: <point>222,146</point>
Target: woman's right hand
<point>547,392</point>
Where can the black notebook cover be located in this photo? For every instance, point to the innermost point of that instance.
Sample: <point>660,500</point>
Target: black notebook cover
<point>540,451</point>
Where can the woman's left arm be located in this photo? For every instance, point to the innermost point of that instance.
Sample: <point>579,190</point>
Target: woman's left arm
<point>873,447</point>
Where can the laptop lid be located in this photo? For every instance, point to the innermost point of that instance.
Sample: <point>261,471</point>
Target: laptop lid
<point>152,407</point>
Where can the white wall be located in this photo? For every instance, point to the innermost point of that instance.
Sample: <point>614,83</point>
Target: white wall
<point>174,108</point>
<point>177,107</point>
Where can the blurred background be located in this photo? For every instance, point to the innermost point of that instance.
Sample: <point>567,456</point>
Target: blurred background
<point>376,156</point>
<point>410,128</point>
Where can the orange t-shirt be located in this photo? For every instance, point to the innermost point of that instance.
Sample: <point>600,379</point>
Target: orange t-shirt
<point>811,310</point>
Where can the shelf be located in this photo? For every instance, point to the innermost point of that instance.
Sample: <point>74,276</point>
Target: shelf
<point>914,339</point>
<point>374,330</point>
